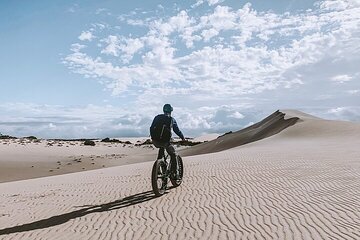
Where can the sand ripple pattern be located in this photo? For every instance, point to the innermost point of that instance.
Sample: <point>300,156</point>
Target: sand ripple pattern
<point>244,193</point>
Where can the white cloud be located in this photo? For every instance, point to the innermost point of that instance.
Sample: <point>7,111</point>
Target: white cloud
<point>136,22</point>
<point>214,2</point>
<point>293,82</point>
<point>237,115</point>
<point>324,97</point>
<point>126,47</point>
<point>130,47</point>
<point>76,47</point>
<point>69,122</point>
<point>228,53</point>
<point>333,5</point>
<point>223,18</point>
<point>338,5</point>
<point>349,113</point>
<point>100,26</point>
<point>102,10</point>
<point>55,121</point>
<point>112,47</point>
<point>73,8</point>
<point>353,92</point>
<point>86,36</point>
<point>341,78</point>
<point>209,2</point>
<point>207,34</point>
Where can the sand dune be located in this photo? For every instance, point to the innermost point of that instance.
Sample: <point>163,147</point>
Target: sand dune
<point>24,159</point>
<point>269,126</point>
<point>302,183</point>
<point>313,127</point>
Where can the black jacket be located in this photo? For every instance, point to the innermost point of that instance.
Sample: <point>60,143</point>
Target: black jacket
<point>173,125</point>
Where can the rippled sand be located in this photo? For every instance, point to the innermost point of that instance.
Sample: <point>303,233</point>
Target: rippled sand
<point>302,183</point>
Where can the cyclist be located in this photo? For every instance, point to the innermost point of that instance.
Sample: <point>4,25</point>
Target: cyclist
<point>160,132</point>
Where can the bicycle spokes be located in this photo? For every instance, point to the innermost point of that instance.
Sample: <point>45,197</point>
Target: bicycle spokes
<point>161,174</point>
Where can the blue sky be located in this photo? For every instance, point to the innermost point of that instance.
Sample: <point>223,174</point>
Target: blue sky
<point>105,68</point>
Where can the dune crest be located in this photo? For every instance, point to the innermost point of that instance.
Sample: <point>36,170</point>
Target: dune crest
<point>289,113</point>
<point>267,127</point>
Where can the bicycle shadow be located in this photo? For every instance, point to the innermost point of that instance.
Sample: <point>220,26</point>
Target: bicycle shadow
<point>63,218</point>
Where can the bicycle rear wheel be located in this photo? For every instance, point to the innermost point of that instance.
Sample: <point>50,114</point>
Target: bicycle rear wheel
<point>180,165</point>
<point>158,177</point>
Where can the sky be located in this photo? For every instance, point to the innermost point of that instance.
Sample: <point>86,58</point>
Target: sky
<point>94,69</point>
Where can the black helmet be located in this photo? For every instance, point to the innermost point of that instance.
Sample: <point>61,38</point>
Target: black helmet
<point>167,108</point>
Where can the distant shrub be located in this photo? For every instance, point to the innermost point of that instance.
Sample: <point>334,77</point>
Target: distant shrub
<point>31,137</point>
<point>89,143</point>
<point>6,137</point>
<point>115,141</point>
<point>225,134</point>
<point>106,140</point>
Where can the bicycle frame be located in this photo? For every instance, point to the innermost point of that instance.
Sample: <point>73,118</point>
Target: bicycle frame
<point>168,164</point>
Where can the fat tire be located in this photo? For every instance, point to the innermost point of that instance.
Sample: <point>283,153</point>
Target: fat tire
<point>158,164</point>
<point>180,165</point>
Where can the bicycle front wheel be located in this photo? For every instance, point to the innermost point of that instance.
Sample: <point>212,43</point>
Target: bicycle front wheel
<point>158,177</point>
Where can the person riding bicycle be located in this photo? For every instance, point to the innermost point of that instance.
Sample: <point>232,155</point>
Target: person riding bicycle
<point>160,132</point>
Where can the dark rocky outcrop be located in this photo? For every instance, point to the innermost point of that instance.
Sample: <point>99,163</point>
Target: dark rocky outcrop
<point>108,140</point>
<point>31,138</point>
<point>89,143</point>
<point>7,137</point>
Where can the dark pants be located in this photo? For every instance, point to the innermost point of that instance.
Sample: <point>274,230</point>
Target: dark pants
<point>169,149</point>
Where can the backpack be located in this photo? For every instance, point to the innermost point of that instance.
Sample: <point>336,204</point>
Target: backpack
<point>160,130</point>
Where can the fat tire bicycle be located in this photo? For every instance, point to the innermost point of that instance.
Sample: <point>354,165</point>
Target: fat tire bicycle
<point>161,173</point>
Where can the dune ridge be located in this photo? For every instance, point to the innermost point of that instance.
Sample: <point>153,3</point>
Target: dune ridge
<point>267,127</point>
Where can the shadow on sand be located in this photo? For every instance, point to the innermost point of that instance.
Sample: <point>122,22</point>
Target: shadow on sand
<point>63,218</point>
